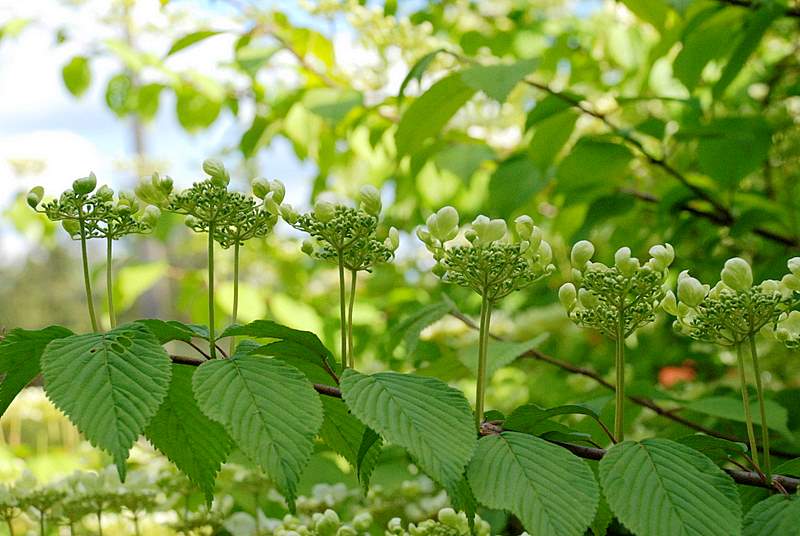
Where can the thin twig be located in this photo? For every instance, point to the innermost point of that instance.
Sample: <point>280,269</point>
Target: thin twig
<point>193,345</point>
<point>788,12</point>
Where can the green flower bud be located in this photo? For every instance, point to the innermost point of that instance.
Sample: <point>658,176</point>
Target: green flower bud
<point>260,187</point>
<point>151,215</point>
<point>471,235</point>
<point>524,226</point>
<point>370,199</point>
<point>85,185</point>
<point>449,517</point>
<point>489,231</point>
<point>278,190</point>
<point>424,235</point>
<point>788,328</point>
<point>72,227</point>
<point>35,196</point>
<point>439,269</point>
<point>669,303</point>
<point>545,253</point>
<point>270,205</point>
<point>737,274</point>
<point>128,203</point>
<point>393,239</point>
<point>626,264</point>
<point>362,521</point>
<point>568,296</point>
<point>663,256</point>
<point>581,253</point>
<point>327,523</point>
<point>535,238</point>
<point>794,265</point>
<point>191,222</point>
<point>690,290</point>
<point>216,170</point>
<point>443,224</point>
<point>307,247</point>
<point>346,530</point>
<point>791,282</point>
<point>324,211</point>
<point>588,299</point>
<point>288,213</point>
<point>104,193</point>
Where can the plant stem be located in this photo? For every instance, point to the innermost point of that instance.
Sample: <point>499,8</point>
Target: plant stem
<point>100,523</point>
<point>235,291</point>
<point>41,523</point>
<point>87,282</point>
<point>483,347</point>
<point>761,407</point>
<point>746,401</point>
<point>619,405</point>
<point>112,317</point>
<point>10,527</point>
<point>211,337</point>
<point>342,312</point>
<point>350,359</point>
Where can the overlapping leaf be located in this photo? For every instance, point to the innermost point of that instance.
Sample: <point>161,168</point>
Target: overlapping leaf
<point>778,514</point>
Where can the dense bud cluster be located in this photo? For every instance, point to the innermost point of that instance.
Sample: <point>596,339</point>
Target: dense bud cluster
<point>735,309</point>
<point>350,233</point>
<point>448,523</point>
<point>488,261</point>
<point>616,300</point>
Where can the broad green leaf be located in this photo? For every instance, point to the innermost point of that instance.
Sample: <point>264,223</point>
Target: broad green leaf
<point>407,331</point>
<point>430,112</point>
<point>463,159</point>
<point>653,11</point>
<point>195,110</point>
<point>431,420</point>
<point>196,445</point>
<point>147,99</point>
<point>119,94</point>
<point>497,81</point>
<point>296,343</point>
<point>417,71</point>
<point>547,107</point>
<point>190,39</point>
<point>594,167</point>
<point>550,137</point>
<point>252,57</point>
<point>344,434</point>
<point>77,75</point>
<point>252,138</point>
<point>331,104</point>
<point>172,330</point>
<point>270,410</point>
<point>551,490</point>
<point>716,448</point>
<point>731,409</point>
<point>526,417</point>
<point>20,351</point>
<point>109,384</point>
<point>706,39</point>
<point>778,514</point>
<point>658,487</point>
<point>501,354</point>
<point>513,184</point>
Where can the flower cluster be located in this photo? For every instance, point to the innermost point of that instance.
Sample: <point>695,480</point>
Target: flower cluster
<point>339,232</point>
<point>735,309</point>
<point>616,300</point>
<point>85,213</point>
<point>488,260</point>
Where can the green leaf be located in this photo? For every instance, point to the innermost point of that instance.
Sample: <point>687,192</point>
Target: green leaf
<point>417,71</point>
<point>513,184</point>
<point>551,490</point>
<point>431,420</point>
<point>653,11</point>
<point>195,110</point>
<point>330,103</point>
<point>716,448</point>
<point>171,330</point>
<point>270,410</point>
<point>526,417</point>
<point>550,137</point>
<point>119,94</point>
<point>497,81</point>
<point>730,408</point>
<point>344,434</point>
<point>659,487</point>
<point>463,159</point>
<point>252,139</point>
<point>20,351</point>
<point>196,445</point>
<point>778,514</point>
<point>547,107</point>
<point>707,37</point>
<point>429,113</point>
<point>77,75</point>
<point>109,384</point>
<point>147,99</point>
<point>190,39</point>
<point>501,354</point>
<point>592,168</point>
<point>407,331</point>
<point>296,343</point>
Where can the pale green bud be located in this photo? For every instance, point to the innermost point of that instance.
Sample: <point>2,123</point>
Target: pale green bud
<point>150,215</point>
<point>568,296</point>
<point>690,290</point>
<point>362,521</point>
<point>104,193</point>
<point>524,226</point>
<point>393,239</point>
<point>216,170</point>
<point>85,185</point>
<point>278,190</point>
<point>791,282</point>
<point>470,235</point>
<point>307,247</point>
<point>35,196</point>
<point>536,238</point>
<point>770,286</point>
<point>794,265</point>
<point>443,224</point>
<point>424,235</point>
<point>270,205</point>
<point>663,256</point>
<point>670,303</point>
<point>737,274</point>
<point>439,269</point>
<point>545,253</point>
<point>588,299</point>
<point>289,214</point>
<point>449,517</point>
<point>191,222</point>
<point>260,187</point>
<point>789,327</point>
<point>489,231</point>
<point>324,211</point>
<point>72,227</point>
<point>582,251</point>
<point>327,523</point>
<point>577,275</point>
<point>626,264</point>
<point>346,530</point>
<point>370,199</point>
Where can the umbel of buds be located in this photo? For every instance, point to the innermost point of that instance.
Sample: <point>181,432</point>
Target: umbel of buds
<point>350,237</point>
<point>490,261</point>
<point>732,313</point>
<point>88,213</point>
<point>616,300</point>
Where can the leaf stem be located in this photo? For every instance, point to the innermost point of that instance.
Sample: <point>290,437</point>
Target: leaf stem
<point>350,358</point>
<point>483,347</point>
<point>619,404</point>
<point>235,313</point>
<point>746,401</point>
<point>211,336</point>
<point>87,282</point>
<point>112,317</point>
<point>761,407</point>
<point>342,312</point>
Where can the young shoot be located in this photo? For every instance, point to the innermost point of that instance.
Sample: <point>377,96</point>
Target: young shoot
<point>348,236</point>
<point>616,300</point>
<point>732,313</point>
<point>86,215</point>
<point>488,260</point>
